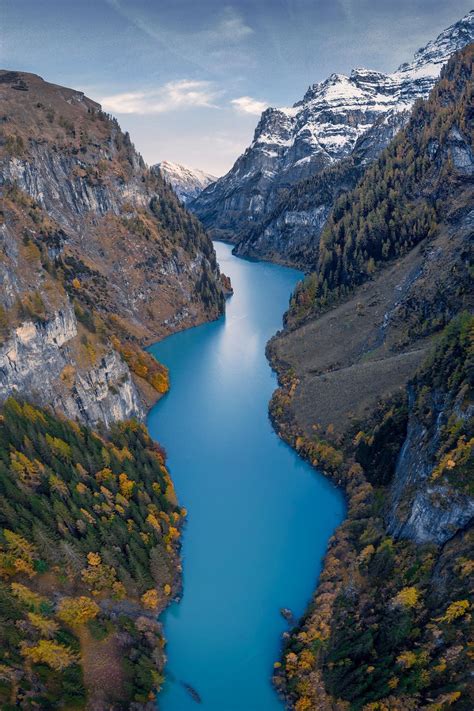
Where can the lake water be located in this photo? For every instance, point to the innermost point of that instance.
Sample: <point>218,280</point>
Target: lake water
<point>259,518</point>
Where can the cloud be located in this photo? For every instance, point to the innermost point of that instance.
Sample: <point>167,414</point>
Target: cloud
<point>247,105</point>
<point>230,27</point>
<point>215,46</point>
<point>182,94</point>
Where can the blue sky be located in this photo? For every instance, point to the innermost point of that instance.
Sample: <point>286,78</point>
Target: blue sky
<point>190,79</point>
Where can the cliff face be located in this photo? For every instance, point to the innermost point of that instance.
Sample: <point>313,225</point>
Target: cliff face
<point>37,362</point>
<point>421,508</point>
<point>98,257</point>
<point>187,183</point>
<point>291,231</point>
<point>375,396</point>
<point>344,116</point>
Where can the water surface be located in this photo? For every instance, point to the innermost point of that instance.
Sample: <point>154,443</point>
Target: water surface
<point>259,518</point>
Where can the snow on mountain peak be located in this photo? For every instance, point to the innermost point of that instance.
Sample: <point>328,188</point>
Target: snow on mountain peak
<point>187,183</point>
<point>292,143</point>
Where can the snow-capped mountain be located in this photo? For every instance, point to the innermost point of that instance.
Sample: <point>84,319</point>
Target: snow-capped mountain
<point>290,144</point>
<point>187,183</point>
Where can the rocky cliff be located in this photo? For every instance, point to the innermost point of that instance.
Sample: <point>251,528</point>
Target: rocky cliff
<point>374,395</point>
<point>98,257</point>
<point>343,116</point>
<point>187,183</point>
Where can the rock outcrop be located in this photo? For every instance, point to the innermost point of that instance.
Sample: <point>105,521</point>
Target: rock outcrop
<point>187,183</point>
<point>98,257</point>
<point>421,509</point>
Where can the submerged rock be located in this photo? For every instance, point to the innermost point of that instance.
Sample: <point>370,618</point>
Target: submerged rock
<point>192,692</point>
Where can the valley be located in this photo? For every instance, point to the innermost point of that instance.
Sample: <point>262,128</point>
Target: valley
<point>236,413</point>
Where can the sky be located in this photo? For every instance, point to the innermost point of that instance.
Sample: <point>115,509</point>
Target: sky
<point>189,78</point>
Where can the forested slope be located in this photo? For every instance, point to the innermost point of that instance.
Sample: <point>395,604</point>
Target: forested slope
<point>377,390</point>
<point>88,556</point>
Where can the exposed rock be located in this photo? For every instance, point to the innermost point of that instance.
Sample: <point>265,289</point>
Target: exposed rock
<point>419,509</point>
<point>187,183</point>
<point>226,285</point>
<point>89,232</point>
<point>37,362</point>
<point>354,115</point>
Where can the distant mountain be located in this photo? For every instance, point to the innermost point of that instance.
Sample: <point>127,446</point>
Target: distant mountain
<point>360,112</point>
<point>187,183</point>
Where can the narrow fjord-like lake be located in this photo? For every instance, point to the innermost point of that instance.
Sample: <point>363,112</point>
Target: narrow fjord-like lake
<point>259,518</point>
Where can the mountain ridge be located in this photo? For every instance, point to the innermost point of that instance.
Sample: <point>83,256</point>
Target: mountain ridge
<point>187,182</point>
<point>334,117</point>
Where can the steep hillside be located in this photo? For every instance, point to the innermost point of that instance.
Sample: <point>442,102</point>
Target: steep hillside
<point>89,532</point>
<point>98,256</point>
<point>362,112</point>
<point>187,183</point>
<point>371,394</point>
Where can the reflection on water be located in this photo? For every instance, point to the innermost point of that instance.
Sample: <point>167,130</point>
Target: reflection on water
<point>258,517</point>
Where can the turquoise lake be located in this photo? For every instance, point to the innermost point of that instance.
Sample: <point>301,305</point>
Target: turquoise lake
<point>259,518</point>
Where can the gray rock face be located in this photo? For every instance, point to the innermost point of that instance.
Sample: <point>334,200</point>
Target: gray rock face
<point>36,363</point>
<point>187,183</point>
<point>290,233</point>
<point>357,114</point>
<point>49,178</point>
<point>419,508</point>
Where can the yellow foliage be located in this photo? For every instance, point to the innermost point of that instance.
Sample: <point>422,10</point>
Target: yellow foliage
<point>407,659</point>
<point>59,447</point>
<point>55,655</point>
<point>173,533</point>
<point>58,485</point>
<point>407,597</point>
<point>303,704</point>
<point>27,597</point>
<point>19,556</point>
<point>33,414</point>
<point>306,659</point>
<point>445,701</point>
<point>171,494</point>
<point>87,516</point>
<point>105,474</point>
<point>28,472</point>
<point>150,599</point>
<point>153,522</point>
<point>76,283</point>
<point>94,558</point>
<point>125,485</point>
<point>366,554</point>
<point>47,627</point>
<point>67,375</point>
<point>455,610</point>
<point>465,567</point>
<point>167,589</point>
<point>77,610</point>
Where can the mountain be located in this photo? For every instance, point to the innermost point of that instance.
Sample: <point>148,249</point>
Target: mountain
<point>187,183</point>
<point>375,366</point>
<point>99,257</point>
<point>361,113</point>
